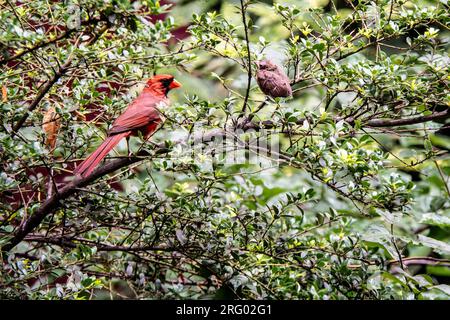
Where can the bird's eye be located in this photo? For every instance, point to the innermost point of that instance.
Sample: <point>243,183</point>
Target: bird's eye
<point>166,82</point>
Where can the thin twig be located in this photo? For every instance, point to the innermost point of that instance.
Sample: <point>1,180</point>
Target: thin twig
<point>442,177</point>
<point>249,59</point>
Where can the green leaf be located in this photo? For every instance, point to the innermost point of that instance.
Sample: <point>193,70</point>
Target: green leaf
<point>435,219</point>
<point>438,246</point>
<point>437,203</point>
<point>379,235</point>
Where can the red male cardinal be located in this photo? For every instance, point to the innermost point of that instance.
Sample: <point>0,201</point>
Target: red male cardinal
<point>142,115</point>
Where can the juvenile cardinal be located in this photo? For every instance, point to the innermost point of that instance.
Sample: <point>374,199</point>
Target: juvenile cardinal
<point>142,115</point>
<point>272,80</point>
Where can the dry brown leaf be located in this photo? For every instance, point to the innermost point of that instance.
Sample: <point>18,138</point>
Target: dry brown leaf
<point>4,94</point>
<point>50,125</point>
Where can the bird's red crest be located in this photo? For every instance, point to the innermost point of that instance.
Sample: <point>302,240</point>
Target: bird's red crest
<point>162,84</point>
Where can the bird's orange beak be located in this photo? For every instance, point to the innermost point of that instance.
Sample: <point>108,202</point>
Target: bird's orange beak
<point>175,84</point>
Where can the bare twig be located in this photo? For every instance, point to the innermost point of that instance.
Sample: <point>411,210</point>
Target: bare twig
<point>442,177</point>
<point>422,261</point>
<point>249,59</point>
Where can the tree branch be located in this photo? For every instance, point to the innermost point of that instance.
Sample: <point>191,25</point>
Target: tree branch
<point>407,121</point>
<point>41,94</point>
<point>48,85</point>
<point>73,242</point>
<point>42,44</point>
<point>249,59</point>
<point>269,124</point>
<point>422,261</point>
<point>54,202</point>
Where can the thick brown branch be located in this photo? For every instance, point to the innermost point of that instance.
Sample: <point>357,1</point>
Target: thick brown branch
<point>268,124</point>
<point>53,203</point>
<point>407,121</point>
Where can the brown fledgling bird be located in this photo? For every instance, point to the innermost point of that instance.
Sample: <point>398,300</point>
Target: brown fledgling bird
<point>272,80</point>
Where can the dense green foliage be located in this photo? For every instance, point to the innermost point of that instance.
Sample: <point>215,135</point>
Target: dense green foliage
<point>356,204</point>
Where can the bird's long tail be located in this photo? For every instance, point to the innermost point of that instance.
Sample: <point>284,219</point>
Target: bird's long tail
<point>89,164</point>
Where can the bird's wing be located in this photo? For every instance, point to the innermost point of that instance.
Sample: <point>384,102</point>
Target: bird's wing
<point>140,113</point>
<point>274,83</point>
<point>267,81</point>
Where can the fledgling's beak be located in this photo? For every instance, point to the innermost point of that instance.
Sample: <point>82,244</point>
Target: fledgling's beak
<point>175,84</point>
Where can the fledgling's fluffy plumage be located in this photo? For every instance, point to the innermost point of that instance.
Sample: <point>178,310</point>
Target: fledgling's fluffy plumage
<point>272,80</point>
